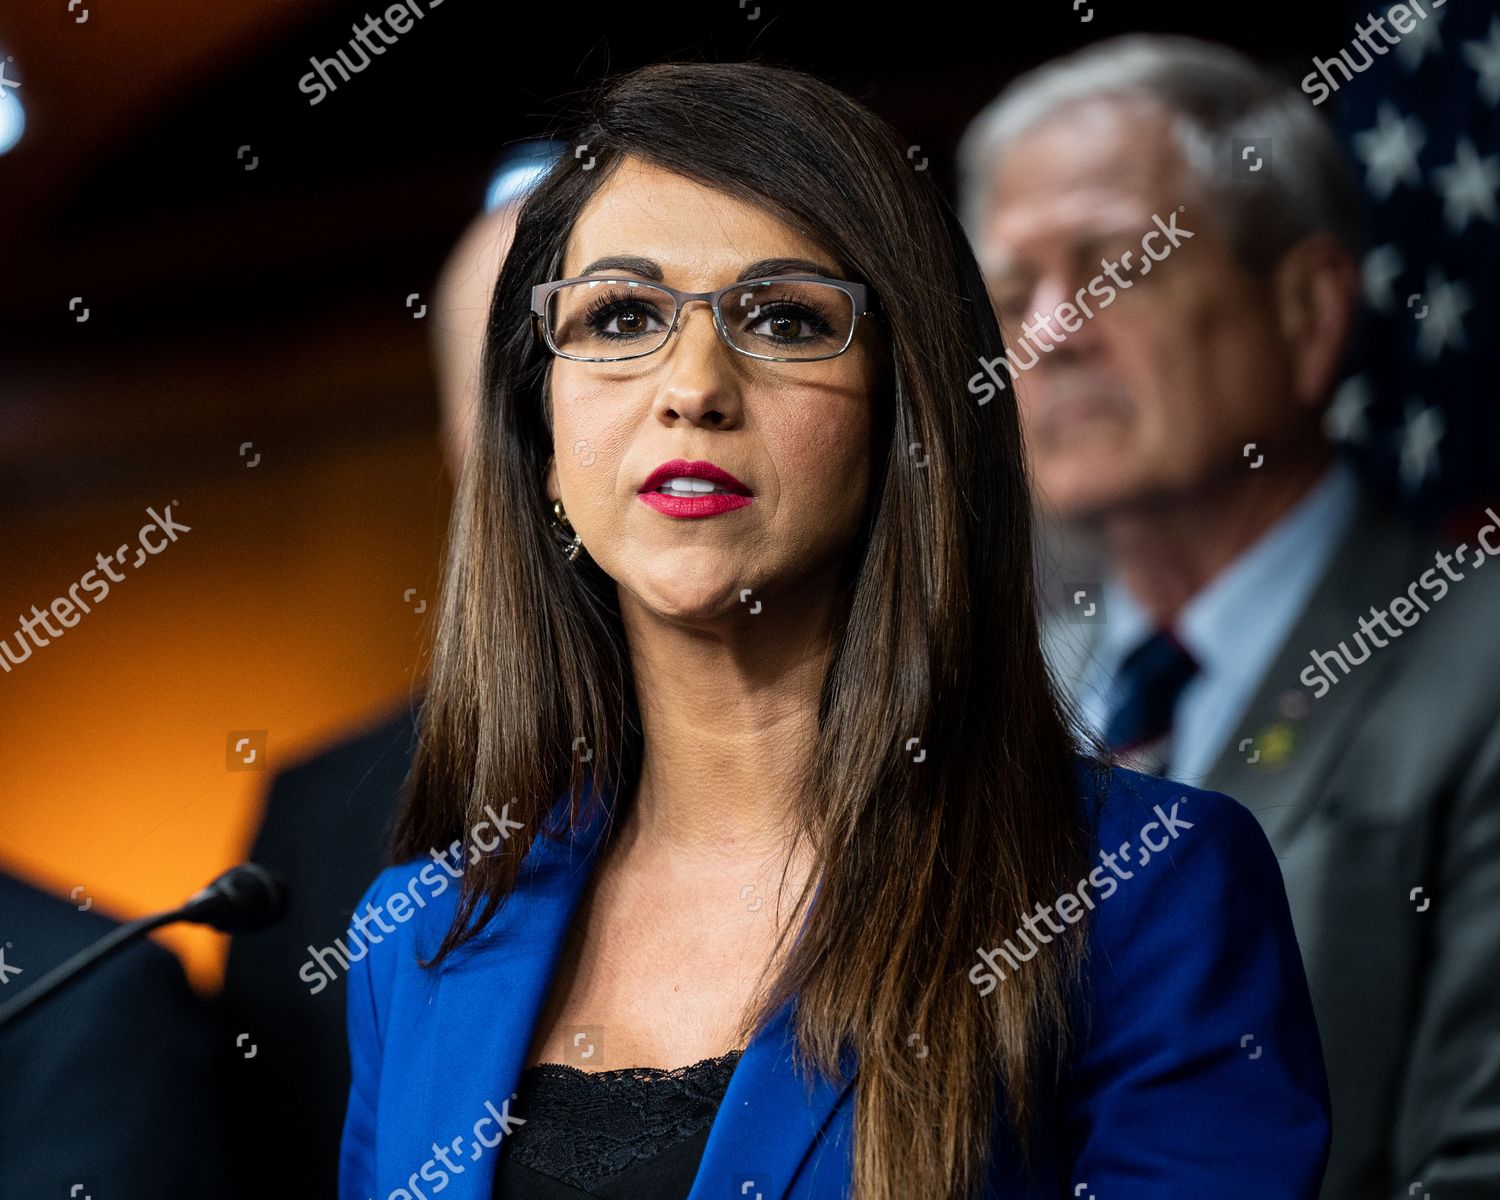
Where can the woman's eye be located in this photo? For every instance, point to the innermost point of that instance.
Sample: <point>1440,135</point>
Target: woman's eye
<point>633,321</point>
<point>623,319</point>
<point>781,325</point>
<point>790,322</point>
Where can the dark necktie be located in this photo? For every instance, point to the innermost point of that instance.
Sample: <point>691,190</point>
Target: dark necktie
<point>1149,681</point>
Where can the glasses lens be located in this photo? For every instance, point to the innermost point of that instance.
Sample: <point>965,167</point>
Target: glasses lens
<point>789,318</point>
<point>609,318</point>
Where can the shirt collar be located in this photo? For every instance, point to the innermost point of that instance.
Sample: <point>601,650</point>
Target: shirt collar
<point>1246,609</point>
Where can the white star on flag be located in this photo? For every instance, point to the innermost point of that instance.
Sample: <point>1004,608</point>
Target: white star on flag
<point>1420,435</point>
<point>1484,57</point>
<point>1443,326</point>
<point>1468,186</point>
<point>1425,36</point>
<point>1345,419</point>
<point>1382,268</point>
<point>1390,151</point>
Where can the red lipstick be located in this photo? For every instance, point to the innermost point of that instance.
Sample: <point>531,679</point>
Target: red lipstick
<point>727,493</point>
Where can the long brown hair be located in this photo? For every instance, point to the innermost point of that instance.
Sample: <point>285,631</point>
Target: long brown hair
<point>531,694</point>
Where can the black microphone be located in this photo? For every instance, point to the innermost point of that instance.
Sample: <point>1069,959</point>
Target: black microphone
<point>242,900</point>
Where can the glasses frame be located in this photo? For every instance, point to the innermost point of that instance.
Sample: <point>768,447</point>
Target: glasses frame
<point>862,297</point>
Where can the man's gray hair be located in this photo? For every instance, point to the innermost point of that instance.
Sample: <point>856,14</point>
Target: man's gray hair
<point>1218,101</point>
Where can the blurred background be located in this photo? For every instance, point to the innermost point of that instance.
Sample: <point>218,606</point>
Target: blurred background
<point>214,298</point>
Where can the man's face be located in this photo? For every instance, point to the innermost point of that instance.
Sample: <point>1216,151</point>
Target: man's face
<point>1155,396</point>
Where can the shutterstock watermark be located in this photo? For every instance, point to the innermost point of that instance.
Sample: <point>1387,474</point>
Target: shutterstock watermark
<point>985,382</point>
<point>1320,78</point>
<point>67,608</point>
<point>400,17</point>
<point>441,1176</point>
<point>317,973</point>
<point>1408,609</point>
<point>986,974</point>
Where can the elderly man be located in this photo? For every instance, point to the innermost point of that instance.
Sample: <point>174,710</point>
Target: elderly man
<point>1167,234</point>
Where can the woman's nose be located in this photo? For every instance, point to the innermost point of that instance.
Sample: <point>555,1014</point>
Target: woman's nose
<point>699,381</point>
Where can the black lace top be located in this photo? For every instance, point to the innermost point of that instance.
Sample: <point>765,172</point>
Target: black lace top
<point>636,1132</point>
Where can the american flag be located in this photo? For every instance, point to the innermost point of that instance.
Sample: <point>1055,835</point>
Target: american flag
<point>1422,128</point>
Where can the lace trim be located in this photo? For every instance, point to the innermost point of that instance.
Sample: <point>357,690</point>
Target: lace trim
<point>584,1126</point>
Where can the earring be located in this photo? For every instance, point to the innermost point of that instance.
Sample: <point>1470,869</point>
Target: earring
<point>563,525</point>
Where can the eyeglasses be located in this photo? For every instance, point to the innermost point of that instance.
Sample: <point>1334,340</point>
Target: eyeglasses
<point>781,318</point>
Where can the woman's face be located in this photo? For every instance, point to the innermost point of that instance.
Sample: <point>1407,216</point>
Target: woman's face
<point>795,434</point>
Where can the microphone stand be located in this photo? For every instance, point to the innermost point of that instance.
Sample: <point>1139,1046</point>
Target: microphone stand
<point>243,899</point>
<point>83,961</point>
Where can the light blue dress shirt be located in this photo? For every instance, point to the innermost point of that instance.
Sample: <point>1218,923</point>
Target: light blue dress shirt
<point>1233,627</point>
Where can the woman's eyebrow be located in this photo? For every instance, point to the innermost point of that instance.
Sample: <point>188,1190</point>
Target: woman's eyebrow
<point>649,268</point>
<point>786,266</point>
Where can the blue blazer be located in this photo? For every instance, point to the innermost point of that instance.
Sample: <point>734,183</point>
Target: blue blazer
<point>1198,1073</point>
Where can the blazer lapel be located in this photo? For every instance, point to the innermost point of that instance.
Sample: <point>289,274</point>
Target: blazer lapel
<point>1286,744</point>
<point>468,1053</point>
<point>768,1122</point>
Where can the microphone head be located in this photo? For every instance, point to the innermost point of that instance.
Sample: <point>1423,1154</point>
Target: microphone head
<point>244,899</point>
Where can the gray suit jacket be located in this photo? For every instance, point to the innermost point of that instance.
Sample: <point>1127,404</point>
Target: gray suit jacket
<point>1388,783</point>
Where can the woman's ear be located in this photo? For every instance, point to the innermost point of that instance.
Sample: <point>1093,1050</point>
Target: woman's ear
<point>1316,289</point>
<point>553,491</point>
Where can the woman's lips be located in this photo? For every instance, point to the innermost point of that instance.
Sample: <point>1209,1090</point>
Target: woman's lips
<point>708,504</point>
<point>700,469</point>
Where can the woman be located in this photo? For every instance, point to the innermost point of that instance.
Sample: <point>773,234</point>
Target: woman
<point>747,850</point>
